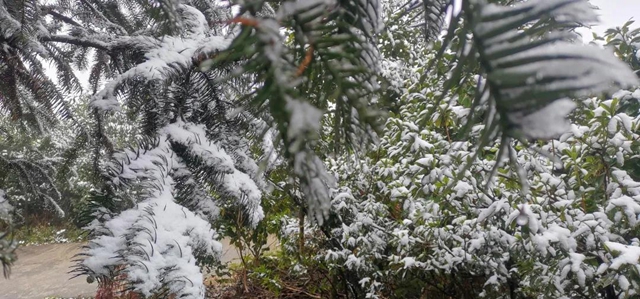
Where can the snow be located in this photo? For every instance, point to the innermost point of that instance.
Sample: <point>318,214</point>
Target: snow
<point>161,251</point>
<point>157,239</point>
<point>315,184</point>
<point>409,262</point>
<point>625,254</point>
<point>623,282</point>
<point>462,188</point>
<point>195,138</point>
<point>310,7</point>
<point>492,209</point>
<point>234,182</point>
<point>576,261</point>
<point>163,56</point>
<point>305,119</point>
<point>629,205</point>
<point>547,122</point>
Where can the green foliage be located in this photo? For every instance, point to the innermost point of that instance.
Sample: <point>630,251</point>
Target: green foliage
<point>623,40</point>
<point>44,233</point>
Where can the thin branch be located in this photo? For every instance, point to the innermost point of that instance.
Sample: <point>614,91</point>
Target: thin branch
<point>63,18</point>
<point>76,41</point>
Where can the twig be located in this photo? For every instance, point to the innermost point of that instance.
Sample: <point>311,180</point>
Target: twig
<point>301,291</point>
<point>63,18</point>
<point>243,21</point>
<point>308,57</point>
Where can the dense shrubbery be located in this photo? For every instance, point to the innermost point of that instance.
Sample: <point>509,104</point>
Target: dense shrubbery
<point>404,231</point>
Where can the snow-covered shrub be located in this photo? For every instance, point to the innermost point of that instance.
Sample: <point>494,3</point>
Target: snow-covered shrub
<point>427,212</point>
<point>408,215</point>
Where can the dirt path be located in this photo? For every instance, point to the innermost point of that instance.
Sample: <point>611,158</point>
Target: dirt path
<point>42,271</point>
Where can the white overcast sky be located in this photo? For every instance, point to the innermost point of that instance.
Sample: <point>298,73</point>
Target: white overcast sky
<point>614,13</point>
